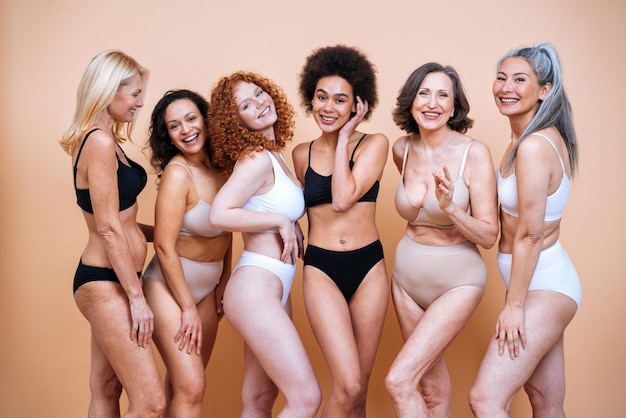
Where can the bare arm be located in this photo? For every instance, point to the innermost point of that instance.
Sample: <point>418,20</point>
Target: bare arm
<point>481,227</point>
<point>100,156</point>
<point>251,176</point>
<point>532,170</point>
<point>348,185</point>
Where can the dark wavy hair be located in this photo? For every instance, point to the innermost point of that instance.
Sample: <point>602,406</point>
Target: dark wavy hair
<point>346,62</point>
<point>159,141</point>
<point>402,116</point>
<point>230,139</point>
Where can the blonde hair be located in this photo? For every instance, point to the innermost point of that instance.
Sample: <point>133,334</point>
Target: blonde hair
<point>101,80</point>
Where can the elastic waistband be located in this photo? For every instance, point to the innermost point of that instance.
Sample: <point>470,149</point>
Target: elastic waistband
<point>507,258</point>
<point>437,249</point>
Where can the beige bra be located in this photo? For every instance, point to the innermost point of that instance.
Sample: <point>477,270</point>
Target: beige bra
<point>430,214</point>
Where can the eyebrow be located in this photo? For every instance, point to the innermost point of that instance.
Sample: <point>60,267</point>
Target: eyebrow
<point>184,116</point>
<point>514,74</point>
<point>326,93</point>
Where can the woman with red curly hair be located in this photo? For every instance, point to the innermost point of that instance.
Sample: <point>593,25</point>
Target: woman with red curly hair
<point>250,122</point>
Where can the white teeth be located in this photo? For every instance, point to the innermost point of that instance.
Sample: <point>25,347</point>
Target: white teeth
<point>509,100</point>
<point>267,109</point>
<point>190,138</point>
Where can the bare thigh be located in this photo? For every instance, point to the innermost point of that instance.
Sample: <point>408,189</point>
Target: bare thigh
<point>252,303</point>
<point>547,314</point>
<point>106,307</point>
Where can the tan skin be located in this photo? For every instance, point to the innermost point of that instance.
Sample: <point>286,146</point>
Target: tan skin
<point>531,325</point>
<point>432,167</point>
<point>185,332</point>
<point>348,334</point>
<point>274,354</point>
<point>121,320</point>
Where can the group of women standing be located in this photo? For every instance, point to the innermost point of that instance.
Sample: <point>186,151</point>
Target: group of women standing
<point>221,170</point>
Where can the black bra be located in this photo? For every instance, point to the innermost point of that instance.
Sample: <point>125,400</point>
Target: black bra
<point>317,188</point>
<point>130,182</point>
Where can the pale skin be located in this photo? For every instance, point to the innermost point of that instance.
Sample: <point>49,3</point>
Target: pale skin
<point>527,347</point>
<point>348,333</point>
<point>185,332</point>
<point>121,320</point>
<point>274,354</point>
<point>432,167</point>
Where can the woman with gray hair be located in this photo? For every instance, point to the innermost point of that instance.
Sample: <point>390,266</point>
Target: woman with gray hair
<point>543,289</point>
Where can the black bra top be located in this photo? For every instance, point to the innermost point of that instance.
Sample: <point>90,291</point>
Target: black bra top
<point>130,182</point>
<point>317,188</point>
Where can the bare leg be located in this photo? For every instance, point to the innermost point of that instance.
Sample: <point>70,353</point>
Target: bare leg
<point>546,386</point>
<point>105,387</point>
<point>348,335</point>
<point>259,393</point>
<point>500,378</point>
<point>252,305</point>
<point>185,380</point>
<point>105,306</point>
<point>420,362</point>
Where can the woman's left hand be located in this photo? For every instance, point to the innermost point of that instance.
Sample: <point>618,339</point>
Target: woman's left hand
<point>350,126</point>
<point>290,242</point>
<point>300,237</point>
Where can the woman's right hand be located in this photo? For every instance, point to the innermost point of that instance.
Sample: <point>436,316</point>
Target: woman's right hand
<point>511,331</point>
<point>142,321</point>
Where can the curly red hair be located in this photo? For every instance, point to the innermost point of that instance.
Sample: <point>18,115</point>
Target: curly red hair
<point>231,140</point>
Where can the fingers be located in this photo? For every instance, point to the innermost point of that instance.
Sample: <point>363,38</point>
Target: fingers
<point>190,339</point>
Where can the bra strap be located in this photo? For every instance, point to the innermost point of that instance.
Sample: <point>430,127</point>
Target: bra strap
<point>555,149</point>
<point>190,175</point>
<point>357,145</point>
<point>462,169</point>
<point>81,150</point>
<point>406,154</point>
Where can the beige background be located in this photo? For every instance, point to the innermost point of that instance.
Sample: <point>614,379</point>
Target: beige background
<point>45,47</point>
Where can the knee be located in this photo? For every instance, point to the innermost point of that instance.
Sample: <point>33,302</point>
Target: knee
<point>260,398</point>
<point>479,401</point>
<point>108,388</point>
<point>397,385</point>
<point>311,400</point>
<point>350,392</point>
<point>436,393</point>
<point>546,401</point>
<point>191,388</point>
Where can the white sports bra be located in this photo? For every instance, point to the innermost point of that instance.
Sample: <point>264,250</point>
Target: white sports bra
<point>196,219</point>
<point>284,196</point>
<point>555,204</point>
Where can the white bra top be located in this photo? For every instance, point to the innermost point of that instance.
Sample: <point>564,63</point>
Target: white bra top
<point>555,204</point>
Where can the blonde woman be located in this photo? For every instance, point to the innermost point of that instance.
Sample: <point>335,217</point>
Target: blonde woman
<point>107,285</point>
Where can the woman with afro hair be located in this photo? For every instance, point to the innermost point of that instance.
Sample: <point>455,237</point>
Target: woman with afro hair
<point>250,122</point>
<point>346,288</point>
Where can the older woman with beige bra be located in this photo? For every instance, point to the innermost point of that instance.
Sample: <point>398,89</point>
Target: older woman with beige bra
<point>447,194</point>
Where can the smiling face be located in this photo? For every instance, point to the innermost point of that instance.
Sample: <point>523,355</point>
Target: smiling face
<point>333,103</point>
<point>185,126</point>
<point>256,108</point>
<point>516,89</point>
<point>127,100</point>
<point>434,102</point>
